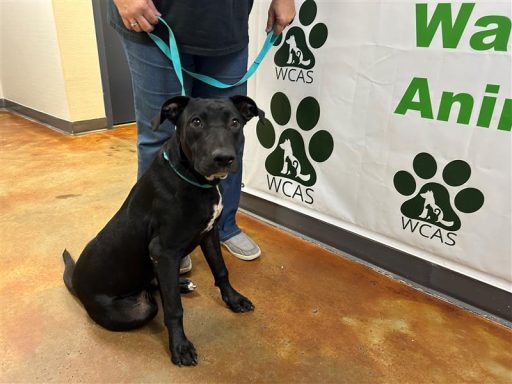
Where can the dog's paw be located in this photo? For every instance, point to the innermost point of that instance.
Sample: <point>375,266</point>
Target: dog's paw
<point>238,303</point>
<point>183,353</point>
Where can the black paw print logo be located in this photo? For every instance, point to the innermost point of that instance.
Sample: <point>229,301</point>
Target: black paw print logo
<point>289,158</point>
<point>431,202</point>
<point>295,51</point>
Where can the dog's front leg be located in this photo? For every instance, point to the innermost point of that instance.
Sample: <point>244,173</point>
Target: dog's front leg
<point>166,264</point>
<point>210,245</point>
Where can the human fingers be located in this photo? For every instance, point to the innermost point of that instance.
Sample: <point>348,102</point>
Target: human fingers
<point>137,15</point>
<point>143,25</point>
<point>281,14</point>
<point>152,7</point>
<point>270,20</point>
<point>151,13</point>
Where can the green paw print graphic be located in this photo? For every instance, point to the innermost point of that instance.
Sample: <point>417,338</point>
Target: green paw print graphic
<point>295,52</point>
<point>289,158</point>
<point>431,203</point>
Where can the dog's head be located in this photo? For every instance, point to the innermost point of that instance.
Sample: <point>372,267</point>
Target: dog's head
<point>427,195</point>
<point>291,41</point>
<point>210,131</point>
<point>286,145</point>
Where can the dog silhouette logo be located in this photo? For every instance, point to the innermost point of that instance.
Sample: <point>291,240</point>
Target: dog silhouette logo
<point>431,211</point>
<point>431,203</point>
<point>292,158</point>
<point>291,165</point>
<point>297,46</point>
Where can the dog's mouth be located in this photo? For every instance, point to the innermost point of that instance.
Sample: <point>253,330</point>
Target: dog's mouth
<point>217,176</point>
<point>214,172</point>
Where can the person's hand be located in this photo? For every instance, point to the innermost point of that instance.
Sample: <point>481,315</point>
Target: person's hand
<point>280,15</point>
<point>138,15</point>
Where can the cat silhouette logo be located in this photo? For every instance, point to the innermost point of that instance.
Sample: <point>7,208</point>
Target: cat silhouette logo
<point>299,41</point>
<point>431,203</point>
<point>292,157</point>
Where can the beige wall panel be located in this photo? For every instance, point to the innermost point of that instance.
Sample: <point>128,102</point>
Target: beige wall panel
<point>79,56</point>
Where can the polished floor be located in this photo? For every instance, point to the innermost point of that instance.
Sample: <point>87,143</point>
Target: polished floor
<point>319,317</point>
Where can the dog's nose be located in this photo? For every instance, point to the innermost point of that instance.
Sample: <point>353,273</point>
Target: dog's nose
<point>222,158</point>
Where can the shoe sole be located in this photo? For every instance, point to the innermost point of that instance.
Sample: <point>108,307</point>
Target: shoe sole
<point>186,269</point>
<point>241,256</point>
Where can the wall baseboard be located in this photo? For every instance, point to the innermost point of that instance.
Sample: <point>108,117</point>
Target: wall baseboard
<point>69,127</point>
<point>480,297</point>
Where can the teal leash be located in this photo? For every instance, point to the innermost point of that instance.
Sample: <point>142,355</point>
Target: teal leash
<point>171,51</point>
<point>183,177</point>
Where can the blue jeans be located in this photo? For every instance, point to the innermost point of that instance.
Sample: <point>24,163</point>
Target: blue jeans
<point>154,81</point>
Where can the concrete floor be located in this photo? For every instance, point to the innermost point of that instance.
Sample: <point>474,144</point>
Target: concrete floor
<point>319,318</point>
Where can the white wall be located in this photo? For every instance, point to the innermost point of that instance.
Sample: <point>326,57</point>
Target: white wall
<point>31,66</point>
<point>49,59</point>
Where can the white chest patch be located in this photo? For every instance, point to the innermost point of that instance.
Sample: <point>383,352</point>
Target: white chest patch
<point>217,210</point>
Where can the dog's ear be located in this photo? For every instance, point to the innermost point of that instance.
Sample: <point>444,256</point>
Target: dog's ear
<point>247,108</point>
<point>171,110</point>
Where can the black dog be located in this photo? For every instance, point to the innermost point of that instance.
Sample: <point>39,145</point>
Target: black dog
<point>172,208</point>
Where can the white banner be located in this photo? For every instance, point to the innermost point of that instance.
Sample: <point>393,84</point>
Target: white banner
<point>392,119</point>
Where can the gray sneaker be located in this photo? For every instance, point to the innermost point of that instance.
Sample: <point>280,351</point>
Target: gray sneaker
<point>185,265</point>
<point>242,246</point>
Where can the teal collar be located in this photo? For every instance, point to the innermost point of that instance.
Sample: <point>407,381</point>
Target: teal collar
<point>183,177</point>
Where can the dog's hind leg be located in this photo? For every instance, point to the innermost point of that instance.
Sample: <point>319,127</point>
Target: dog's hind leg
<point>122,313</point>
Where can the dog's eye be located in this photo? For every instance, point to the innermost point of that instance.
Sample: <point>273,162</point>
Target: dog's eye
<point>196,123</point>
<point>235,123</point>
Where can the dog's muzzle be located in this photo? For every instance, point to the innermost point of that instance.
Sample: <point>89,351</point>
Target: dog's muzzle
<point>223,162</point>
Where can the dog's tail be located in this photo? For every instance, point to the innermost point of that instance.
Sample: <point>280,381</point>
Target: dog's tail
<point>69,268</point>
